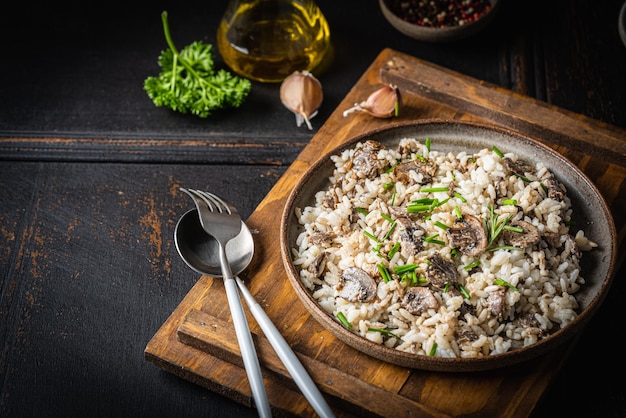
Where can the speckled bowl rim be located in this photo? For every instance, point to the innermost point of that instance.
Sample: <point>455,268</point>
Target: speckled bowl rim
<point>447,34</point>
<point>590,212</point>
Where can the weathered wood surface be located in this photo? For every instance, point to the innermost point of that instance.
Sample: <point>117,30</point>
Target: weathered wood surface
<point>197,353</point>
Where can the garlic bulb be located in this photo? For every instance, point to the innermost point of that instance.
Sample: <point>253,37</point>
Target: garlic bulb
<point>302,94</point>
<point>383,103</point>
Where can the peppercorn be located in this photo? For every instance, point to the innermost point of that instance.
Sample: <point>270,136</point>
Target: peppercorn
<point>439,13</point>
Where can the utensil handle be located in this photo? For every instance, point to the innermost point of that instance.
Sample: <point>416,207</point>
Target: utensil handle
<point>244,338</point>
<point>287,356</point>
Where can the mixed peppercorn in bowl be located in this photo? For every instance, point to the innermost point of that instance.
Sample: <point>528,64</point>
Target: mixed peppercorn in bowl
<point>439,20</point>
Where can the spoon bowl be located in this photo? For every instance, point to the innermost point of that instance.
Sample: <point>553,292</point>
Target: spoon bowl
<point>200,251</point>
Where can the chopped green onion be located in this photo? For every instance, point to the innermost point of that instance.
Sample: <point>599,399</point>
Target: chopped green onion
<point>362,211</point>
<point>514,228</point>
<point>461,198</point>
<point>441,225</point>
<point>344,321</point>
<point>421,158</point>
<point>432,239</point>
<point>434,189</point>
<point>383,331</point>
<point>384,273</point>
<point>458,213</point>
<point>387,217</point>
<point>404,269</point>
<point>504,283</point>
<point>436,241</point>
<point>423,201</point>
<point>446,287</point>
<point>415,208</point>
<point>464,291</point>
<point>472,265</point>
<point>370,236</point>
<point>453,252</point>
<point>427,144</point>
<point>390,169</point>
<point>394,250</point>
<point>393,198</point>
<point>433,350</point>
<point>524,179</point>
<point>509,202</point>
<point>505,247</point>
<point>388,186</point>
<point>393,226</point>
<point>497,151</point>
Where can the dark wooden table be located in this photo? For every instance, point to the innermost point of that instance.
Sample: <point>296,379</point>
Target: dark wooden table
<point>89,170</point>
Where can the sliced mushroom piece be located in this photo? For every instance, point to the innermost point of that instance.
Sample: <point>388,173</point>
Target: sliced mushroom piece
<point>564,241</point>
<point>552,239</point>
<point>527,238</point>
<point>553,186</point>
<point>320,238</point>
<point>317,265</point>
<point>464,334</point>
<point>410,236</point>
<point>441,271</point>
<point>426,170</point>
<point>398,211</point>
<point>468,235</point>
<point>570,247</point>
<point>519,167</point>
<point>355,285</point>
<point>466,308</point>
<point>330,198</point>
<point>500,185</point>
<point>419,299</point>
<point>365,159</point>
<point>496,303</point>
<point>468,165</point>
<point>528,320</point>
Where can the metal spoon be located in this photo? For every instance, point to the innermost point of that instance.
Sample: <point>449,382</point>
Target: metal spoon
<point>200,251</point>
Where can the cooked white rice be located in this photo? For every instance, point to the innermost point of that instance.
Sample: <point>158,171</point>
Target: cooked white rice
<point>503,299</point>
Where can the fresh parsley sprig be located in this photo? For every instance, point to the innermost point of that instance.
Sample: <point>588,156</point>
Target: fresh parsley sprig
<point>188,82</point>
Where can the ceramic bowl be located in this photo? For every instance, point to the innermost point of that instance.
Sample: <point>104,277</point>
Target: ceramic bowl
<point>590,214</point>
<point>439,34</point>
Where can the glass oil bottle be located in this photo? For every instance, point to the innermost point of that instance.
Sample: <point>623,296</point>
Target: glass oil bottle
<point>267,40</point>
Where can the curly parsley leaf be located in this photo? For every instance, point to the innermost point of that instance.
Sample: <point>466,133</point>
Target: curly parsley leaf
<point>188,82</point>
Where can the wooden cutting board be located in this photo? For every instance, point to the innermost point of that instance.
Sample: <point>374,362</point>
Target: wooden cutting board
<point>198,343</point>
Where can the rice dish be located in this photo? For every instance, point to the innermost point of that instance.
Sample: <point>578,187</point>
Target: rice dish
<point>440,254</point>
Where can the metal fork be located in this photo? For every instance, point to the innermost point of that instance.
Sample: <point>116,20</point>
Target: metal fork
<point>222,221</point>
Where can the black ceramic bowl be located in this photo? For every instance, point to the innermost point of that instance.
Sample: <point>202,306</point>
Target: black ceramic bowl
<point>591,215</point>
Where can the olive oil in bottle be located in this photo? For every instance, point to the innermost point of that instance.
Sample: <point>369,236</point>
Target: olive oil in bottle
<point>267,40</point>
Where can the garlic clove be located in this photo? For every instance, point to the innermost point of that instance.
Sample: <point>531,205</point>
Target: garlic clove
<point>383,103</point>
<point>302,94</point>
